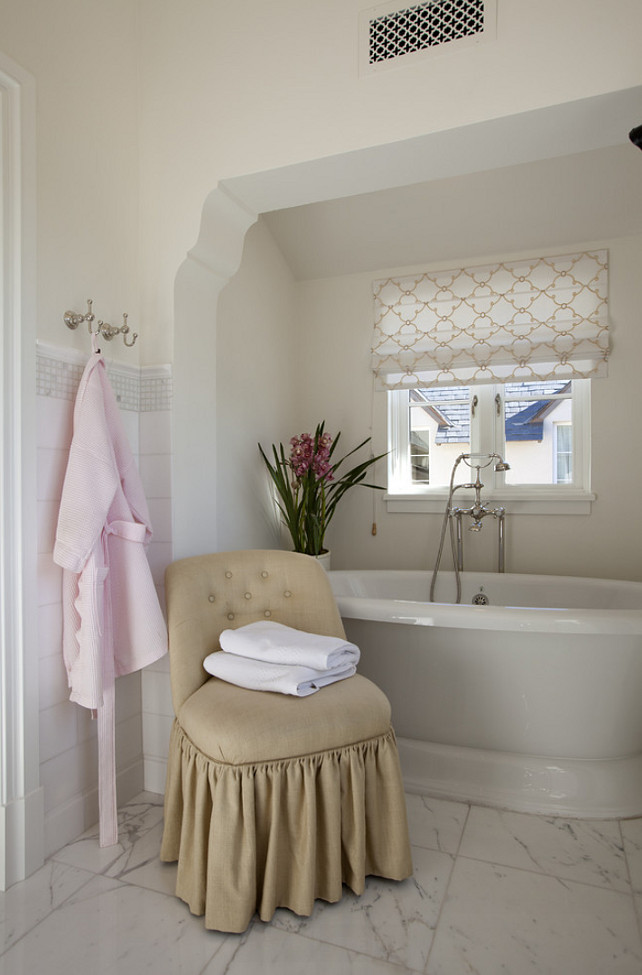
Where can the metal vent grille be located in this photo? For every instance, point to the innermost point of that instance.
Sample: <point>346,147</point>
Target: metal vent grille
<point>424,26</point>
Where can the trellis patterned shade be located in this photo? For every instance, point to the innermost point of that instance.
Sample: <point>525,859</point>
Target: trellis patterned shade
<point>517,321</point>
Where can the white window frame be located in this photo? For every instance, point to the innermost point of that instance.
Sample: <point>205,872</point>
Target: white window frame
<point>556,450</point>
<point>487,435</point>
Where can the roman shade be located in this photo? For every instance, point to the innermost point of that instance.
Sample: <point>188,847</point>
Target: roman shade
<point>515,321</point>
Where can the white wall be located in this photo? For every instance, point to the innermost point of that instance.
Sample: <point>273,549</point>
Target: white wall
<point>84,58</point>
<point>144,107</point>
<point>230,89</point>
<point>155,465</point>
<point>337,316</point>
<point>258,360</point>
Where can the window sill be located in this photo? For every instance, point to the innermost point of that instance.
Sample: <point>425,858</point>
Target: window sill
<point>524,502</point>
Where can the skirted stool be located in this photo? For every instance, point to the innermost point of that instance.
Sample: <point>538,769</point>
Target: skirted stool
<point>272,800</point>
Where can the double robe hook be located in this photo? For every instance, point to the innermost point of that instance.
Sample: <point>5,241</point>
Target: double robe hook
<point>73,320</point>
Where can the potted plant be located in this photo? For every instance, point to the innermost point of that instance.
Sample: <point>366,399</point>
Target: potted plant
<point>309,485</point>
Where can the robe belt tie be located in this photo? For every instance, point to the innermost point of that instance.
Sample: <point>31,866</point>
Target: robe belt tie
<point>132,531</point>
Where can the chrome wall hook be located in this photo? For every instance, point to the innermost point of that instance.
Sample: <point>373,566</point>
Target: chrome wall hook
<point>73,320</point>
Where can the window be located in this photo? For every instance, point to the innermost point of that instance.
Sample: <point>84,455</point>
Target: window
<point>563,453</point>
<point>495,358</point>
<point>532,414</point>
<point>540,428</point>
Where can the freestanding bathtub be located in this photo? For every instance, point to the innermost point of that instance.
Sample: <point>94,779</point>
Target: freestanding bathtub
<point>532,702</point>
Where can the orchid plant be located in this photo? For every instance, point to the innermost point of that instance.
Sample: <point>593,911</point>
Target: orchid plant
<point>309,485</point>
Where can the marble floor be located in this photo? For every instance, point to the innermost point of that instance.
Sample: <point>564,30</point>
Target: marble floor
<point>493,893</point>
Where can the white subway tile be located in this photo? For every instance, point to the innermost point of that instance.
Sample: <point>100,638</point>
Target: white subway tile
<point>159,556</point>
<point>49,580</point>
<point>129,741</point>
<point>72,773</point>
<point>130,423</point>
<point>160,666</point>
<point>52,677</point>
<point>57,730</point>
<point>52,465</point>
<point>156,475</point>
<point>160,512</point>
<point>54,422</point>
<point>157,694</point>
<point>50,630</point>
<point>128,696</point>
<point>155,432</point>
<point>156,731</point>
<point>130,781</point>
<point>87,726</point>
<point>155,775</point>
<point>160,592</point>
<point>47,512</point>
<point>64,824</point>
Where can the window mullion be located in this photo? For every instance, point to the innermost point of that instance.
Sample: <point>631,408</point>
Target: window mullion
<point>399,473</point>
<point>499,428</point>
<point>482,427</point>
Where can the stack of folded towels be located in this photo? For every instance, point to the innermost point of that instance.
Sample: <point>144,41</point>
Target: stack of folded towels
<point>268,656</point>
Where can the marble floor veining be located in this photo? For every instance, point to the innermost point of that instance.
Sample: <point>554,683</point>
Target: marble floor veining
<point>493,893</point>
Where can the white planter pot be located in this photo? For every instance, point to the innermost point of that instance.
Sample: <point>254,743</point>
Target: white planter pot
<point>324,559</point>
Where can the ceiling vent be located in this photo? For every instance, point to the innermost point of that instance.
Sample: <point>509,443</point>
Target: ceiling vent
<point>392,32</point>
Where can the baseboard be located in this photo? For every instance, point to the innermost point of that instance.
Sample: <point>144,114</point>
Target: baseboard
<point>578,788</point>
<point>67,822</point>
<point>21,838</point>
<point>155,775</point>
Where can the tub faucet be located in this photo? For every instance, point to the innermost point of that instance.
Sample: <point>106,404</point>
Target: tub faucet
<point>477,511</point>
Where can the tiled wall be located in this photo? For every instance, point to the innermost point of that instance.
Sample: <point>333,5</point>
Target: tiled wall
<point>68,744</point>
<point>155,469</point>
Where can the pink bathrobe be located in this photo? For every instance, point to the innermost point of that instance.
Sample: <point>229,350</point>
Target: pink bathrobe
<point>113,623</point>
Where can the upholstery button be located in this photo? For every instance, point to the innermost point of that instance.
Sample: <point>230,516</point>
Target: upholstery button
<point>264,574</point>
<point>248,595</point>
<point>211,598</point>
<point>230,616</point>
<point>228,575</point>
<point>287,593</point>
<point>267,613</point>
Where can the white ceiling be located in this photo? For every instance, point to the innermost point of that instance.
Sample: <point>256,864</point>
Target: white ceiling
<point>565,200</point>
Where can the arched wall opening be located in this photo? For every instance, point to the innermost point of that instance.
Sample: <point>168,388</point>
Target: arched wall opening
<point>234,207</point>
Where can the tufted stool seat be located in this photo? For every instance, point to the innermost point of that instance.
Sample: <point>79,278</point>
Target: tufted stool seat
<point>272,800</point>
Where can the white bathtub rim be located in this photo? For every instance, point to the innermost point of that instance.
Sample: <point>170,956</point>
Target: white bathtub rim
<point>525,578</point>
<point>620,622</point>
<point>569,788</point>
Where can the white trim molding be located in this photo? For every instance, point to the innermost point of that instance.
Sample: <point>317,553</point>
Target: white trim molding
<point>21,798</point>
<point>206,270</point>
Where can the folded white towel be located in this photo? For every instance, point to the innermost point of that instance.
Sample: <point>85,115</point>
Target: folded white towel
<point>280,644</point>
<point>260,675</point>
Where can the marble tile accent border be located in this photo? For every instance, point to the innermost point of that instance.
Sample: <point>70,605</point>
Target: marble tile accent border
<point>141,389</point>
